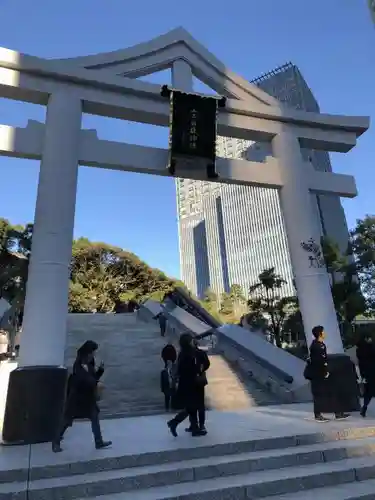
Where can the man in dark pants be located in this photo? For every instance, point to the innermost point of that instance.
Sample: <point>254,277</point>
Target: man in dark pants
<point>189,386</point>
<point>204,363</point>
<point>321,387</point>
<point>162,323</point>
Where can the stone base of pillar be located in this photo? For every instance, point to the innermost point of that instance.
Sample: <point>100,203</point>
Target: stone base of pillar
<point>35,401</point>
<point>344,385</point>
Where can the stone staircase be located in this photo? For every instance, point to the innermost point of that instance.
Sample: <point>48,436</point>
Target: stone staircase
<point>131,349</point>
<point>229,389</point>
<point>337,465</point>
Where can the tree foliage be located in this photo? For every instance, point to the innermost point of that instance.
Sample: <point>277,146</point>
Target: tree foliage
<point>268,308</point>
<point>233,303</point>
<point>101,275</point>
<point>345,284</point>
<point>363,247</point>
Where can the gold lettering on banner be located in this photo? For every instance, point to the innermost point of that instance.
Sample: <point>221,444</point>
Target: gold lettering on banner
<point>193,137</point>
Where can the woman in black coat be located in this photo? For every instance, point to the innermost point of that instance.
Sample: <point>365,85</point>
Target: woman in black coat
<point>366,365</point>
<point>82,395</point>
<point>191,378</point>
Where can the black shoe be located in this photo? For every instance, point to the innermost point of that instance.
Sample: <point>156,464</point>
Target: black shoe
<point>103,444</point>
<point>173,428</point>
<point>363,412</point>
<point>188,429</point>
<point>56,448</point>
<point>342,416</point>
<point>321,419</point>
<point>198,433</point>
<point>203,429</point>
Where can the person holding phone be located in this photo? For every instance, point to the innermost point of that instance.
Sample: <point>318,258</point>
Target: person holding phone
<point>83,395</point>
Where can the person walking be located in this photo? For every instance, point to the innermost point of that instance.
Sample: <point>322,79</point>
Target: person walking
<point>321,385</point>
<point>82,396</point>
<point>189,392</point>
<point>161,317</point>
<point>366,364</point>
<point>204,364</point>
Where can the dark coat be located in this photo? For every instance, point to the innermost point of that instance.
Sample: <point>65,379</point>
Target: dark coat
<point>366,360</point>
<point>81,399</point>
<point>318,360</point>
<point>191,363</point>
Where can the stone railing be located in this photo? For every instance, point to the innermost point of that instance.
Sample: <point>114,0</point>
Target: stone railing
<point>276,370</point>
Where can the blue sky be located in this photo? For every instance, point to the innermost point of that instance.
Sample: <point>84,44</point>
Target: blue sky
<point>332,41</point>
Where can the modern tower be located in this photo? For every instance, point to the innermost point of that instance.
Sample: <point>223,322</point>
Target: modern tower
<point>371,4</point>
<point>230,233</point>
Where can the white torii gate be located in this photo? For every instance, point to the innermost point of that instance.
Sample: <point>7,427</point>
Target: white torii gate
<point>107,85</point>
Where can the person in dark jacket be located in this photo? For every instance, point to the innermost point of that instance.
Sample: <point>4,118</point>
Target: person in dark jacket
<point>168,383</point>
<point>204,365</point>
<point>320,383</point>
<point>189,386</point>
<point>366,365</point>
<point>162,318</point>
<point>82,396</point>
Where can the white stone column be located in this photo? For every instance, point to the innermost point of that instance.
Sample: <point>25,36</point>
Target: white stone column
<point>45,315</point>
<point>313,284</point>
<point>182,76</point>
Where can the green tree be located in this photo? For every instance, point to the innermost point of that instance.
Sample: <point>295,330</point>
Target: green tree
<point>15,246</point>
<point>267,306</point>
<point>211,303</point>
<point>238,298</point>
<point>346,288</point>
<point>363,246</point>
<point>226,304</point>
<point>101,277</point>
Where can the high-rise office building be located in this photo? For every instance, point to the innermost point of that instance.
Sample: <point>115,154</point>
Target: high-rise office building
<point>371,4</point>
<point>230,233</point>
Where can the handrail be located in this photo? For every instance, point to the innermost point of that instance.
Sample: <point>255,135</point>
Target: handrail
<point>182,299</point>
<point>278,372</point>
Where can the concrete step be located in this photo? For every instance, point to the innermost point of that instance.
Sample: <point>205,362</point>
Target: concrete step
<point>266,469</point>
<point>363,490</point>
<point>270,485</point>
<point>178,450</point>
<point>131,352</point>
<point>278,467</point>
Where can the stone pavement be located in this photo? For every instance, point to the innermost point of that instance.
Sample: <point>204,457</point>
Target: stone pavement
<point>265,452</point>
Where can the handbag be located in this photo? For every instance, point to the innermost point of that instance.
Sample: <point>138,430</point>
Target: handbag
<point>201,379</point>
<point>99,391</point>
<point>307,372</point>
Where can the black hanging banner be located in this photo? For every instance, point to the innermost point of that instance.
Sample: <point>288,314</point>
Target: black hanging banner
<point>192,133</point>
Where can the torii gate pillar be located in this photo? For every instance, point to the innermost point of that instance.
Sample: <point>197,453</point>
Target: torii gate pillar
<point>40,380</point>
<point>312,283</point>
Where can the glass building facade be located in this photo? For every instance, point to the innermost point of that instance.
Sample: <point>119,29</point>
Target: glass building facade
<point>371,4</point>
<point>230,233</point>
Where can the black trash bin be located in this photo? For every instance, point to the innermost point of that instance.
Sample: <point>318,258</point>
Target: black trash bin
<point>35,401</point>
